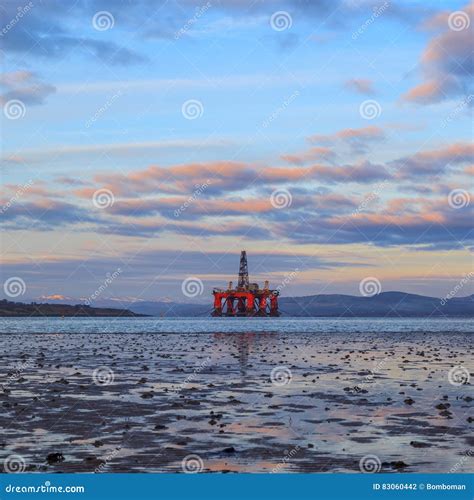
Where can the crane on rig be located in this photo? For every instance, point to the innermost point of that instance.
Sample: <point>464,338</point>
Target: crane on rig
<point>247,299</point>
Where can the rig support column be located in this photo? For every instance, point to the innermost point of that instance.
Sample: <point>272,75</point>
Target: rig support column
<point>217,305</point>
<point>250,305</point>
<point>262,309</point>
<point>274,305</point>
<point>230,306</point>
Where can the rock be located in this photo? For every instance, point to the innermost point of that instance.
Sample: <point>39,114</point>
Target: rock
<point>419,444</point>
<point>399,464</point>
<point>55,458</point>
<point>445,413</point>
<point>409,401</point>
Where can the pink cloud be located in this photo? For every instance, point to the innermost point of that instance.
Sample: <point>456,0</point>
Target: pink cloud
<point>447,59</point>
<point>360,85</point>
<point>316,153</point>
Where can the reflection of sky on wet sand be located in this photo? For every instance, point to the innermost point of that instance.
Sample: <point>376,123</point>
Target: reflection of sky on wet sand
<point>174,395</point>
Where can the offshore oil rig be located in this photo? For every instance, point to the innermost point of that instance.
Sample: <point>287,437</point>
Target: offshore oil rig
<point>247,299</point>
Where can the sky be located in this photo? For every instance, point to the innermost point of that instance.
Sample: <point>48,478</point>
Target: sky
<point>146,143</point>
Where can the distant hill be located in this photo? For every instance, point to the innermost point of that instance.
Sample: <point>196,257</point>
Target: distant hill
<point>396,304</point>
<point>8,308</point>
<point>391,304</point>
<point>170,309</point>
<point>387,304</point>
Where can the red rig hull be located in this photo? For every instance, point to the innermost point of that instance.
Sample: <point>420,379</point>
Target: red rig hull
<point>245,303</point>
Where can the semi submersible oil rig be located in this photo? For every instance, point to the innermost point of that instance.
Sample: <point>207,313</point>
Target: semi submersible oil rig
<point>247,299</point>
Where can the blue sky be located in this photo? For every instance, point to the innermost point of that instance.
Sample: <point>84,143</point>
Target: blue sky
<point>283,93</point>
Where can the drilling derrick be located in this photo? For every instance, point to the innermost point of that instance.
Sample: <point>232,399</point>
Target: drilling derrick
<point>247,299</point>
<point>243,272</point>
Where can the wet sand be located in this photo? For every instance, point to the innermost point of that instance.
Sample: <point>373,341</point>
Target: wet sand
<point>242,402</point>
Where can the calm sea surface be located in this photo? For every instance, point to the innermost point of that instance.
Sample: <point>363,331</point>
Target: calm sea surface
<point>235,325</point>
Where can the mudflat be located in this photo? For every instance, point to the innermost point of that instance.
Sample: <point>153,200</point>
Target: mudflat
<point>237,402</point>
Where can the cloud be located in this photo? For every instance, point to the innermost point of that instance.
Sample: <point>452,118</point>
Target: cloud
<point>55,296</point>
<point>48,28</point>
<point>24,86</point>
<point>410,223</point>
<point>44,214</point>
<point>53,153</point>
<point>447,61</point>
<point>45,31</point>
<point>431,91</point>
<point>360,86</point>
<point>359,140</point>
<point>147,273</point>
<point>71,181</point>
<point>362,172</point>
<point>316,153</point>
<point>435,162</point>
<point>329,202</point>
<point>228,177</point>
